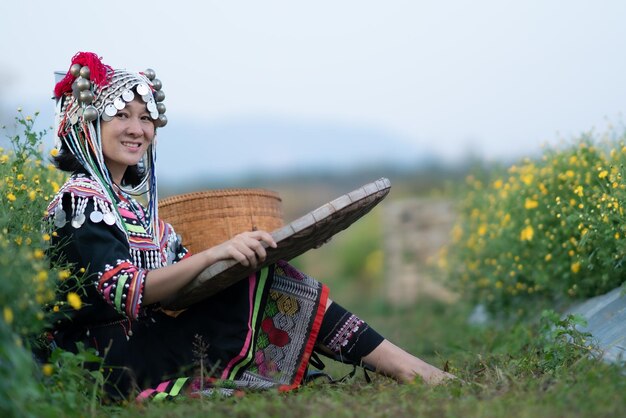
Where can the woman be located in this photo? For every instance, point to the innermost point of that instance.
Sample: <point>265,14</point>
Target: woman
<point>258,333</point>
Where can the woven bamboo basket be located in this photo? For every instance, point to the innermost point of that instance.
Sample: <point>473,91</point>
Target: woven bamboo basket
<point>207,218</point>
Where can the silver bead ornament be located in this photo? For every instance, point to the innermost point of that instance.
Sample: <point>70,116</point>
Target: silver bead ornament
<point>159,96</point>
<point>90,114</point>
<point>75,90</point>
<point>82,84</point>
<point>149,73</point>
<point>156,83</point>
<point>106,118</point>
<point>86,96</point>
<point>161,121</point>
<point>161,108</point>
<point>75,69</point>
<point>85,72</point>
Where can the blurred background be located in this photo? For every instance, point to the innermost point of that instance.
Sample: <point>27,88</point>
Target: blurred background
<point>314,99</point>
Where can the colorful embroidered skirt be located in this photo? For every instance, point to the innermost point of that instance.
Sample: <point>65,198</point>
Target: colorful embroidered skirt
<point>256,334</point>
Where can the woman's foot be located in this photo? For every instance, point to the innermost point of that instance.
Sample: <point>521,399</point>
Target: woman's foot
<point>390,360</point>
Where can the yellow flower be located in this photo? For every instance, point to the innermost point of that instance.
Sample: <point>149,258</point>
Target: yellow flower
<point>497,184</point>
<point>20,177</point>
<point>548,257</point>
<point>575,267</point>
<point>527,233</point>
<point>527,179</point>
<point>531,204</point>
<point>38,254</point>
<point>8,315</point>
<point>579,191</point>
<point>603,174</point>
<point>54,152</point>
<point>616,235</point>
<point>4,158</point>
<point>482,230</point>
<point>64,274</point>
<point>74,300</point>
<point>46,237</point>
<point>55,308</point>
<point>47,369</point>
<point>42,276</point>
<point>11,197</point>
<point>32,195</point>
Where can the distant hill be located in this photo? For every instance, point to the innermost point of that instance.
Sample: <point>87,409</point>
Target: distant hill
<point>222,150</point>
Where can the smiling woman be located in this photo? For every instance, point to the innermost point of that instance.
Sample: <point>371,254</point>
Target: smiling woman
<point>258,333</point>
<point>126,138</point>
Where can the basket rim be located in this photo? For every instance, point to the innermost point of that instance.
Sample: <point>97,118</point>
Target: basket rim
<point>186,197</point>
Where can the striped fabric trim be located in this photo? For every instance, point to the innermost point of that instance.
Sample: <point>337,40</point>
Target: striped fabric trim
<point>128,281</point>
<point>310,345</point>
<point>247,351</point>
<point>165,390</point>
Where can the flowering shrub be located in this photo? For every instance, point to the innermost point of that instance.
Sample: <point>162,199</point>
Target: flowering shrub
<point>550,229</point>
<point>27,281</point>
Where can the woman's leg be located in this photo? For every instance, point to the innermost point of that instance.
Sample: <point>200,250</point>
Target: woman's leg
<point>347,337</point>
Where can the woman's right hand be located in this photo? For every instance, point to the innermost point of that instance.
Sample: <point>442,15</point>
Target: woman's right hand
<point>247,248</point>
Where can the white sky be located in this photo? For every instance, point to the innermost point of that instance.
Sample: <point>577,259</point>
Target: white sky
<point>498,77</point>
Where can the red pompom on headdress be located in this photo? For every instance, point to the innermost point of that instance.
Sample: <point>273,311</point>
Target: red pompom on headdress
<point>99,72</point>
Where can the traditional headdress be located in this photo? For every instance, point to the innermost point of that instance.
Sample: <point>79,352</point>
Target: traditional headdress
<point>91,92</point>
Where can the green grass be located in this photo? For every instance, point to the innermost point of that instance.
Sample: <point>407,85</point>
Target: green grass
<point>498,364</point>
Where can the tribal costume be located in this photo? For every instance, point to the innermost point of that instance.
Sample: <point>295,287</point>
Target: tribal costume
<point>258,333</point>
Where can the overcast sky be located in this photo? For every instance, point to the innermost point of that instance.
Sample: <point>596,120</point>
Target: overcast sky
<point>497,78</point>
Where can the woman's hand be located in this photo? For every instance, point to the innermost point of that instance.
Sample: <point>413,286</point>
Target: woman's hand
<point>248,248</point>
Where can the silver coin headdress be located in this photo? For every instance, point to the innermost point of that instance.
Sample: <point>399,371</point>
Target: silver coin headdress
<point>91,92</point>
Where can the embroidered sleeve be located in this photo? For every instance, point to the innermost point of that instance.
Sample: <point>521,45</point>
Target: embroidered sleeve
<point>87,239</point>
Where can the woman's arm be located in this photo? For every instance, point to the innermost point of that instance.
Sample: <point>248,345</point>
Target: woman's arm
<point>246,248</point>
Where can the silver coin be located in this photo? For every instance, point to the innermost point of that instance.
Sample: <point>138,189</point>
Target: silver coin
<point>59,216</point>
<point>143,89</point>
<point>154,114</point>
<point>96,216</point>
<point>106,117</point>
<point>147,97</point>
<point>110,110</point>
<point>59,222</point>
<point>109,218</point>
<point>151,105</point>
<point>119,103</point>
<point>78,220</point>
<point>128,95</point>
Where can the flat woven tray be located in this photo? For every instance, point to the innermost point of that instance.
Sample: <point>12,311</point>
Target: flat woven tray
<point>309,231</point>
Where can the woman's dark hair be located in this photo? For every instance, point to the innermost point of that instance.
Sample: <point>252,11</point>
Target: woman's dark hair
<point>66,161</point>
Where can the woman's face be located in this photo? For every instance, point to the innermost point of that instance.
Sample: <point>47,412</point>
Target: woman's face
<point>126,138</point>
